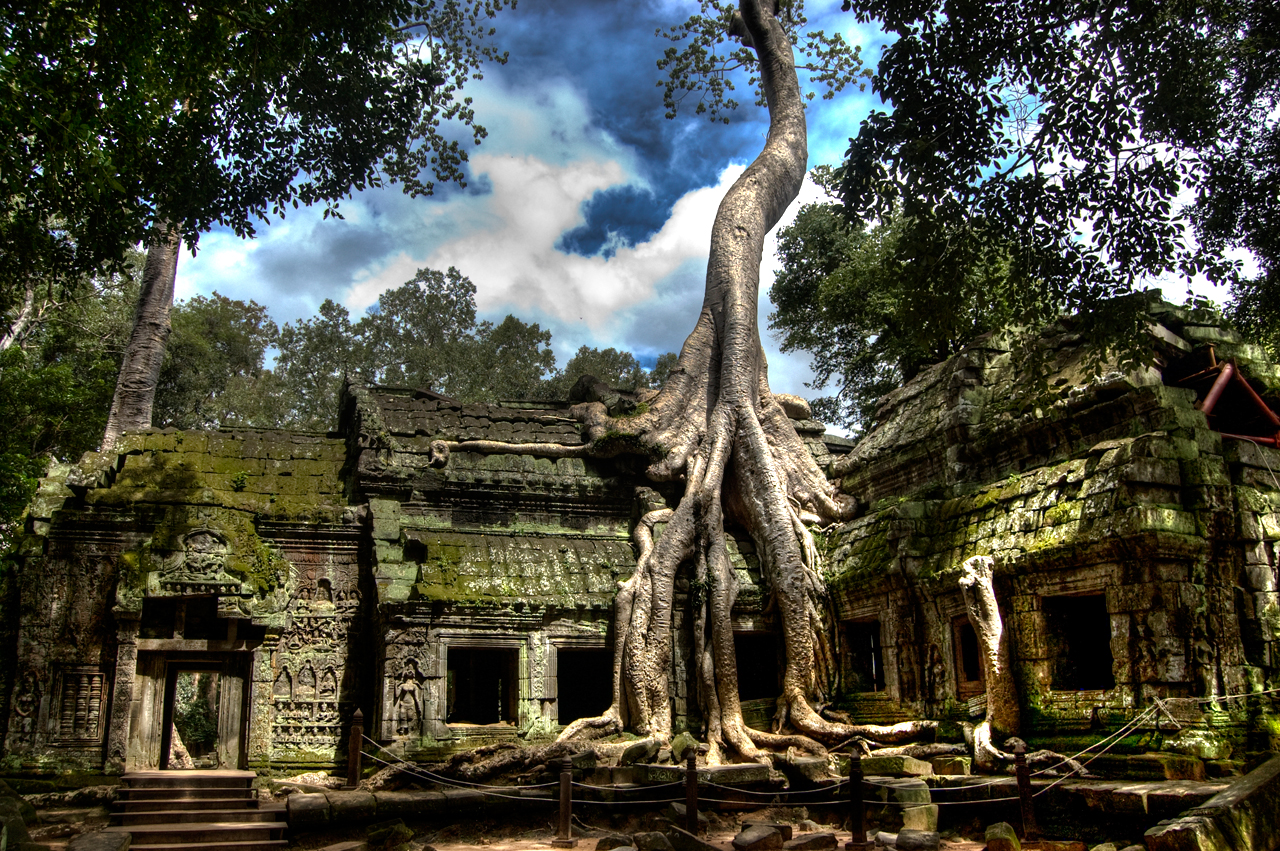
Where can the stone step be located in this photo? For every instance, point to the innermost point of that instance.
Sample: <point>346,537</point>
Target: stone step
<point>126,794</point>
<point>259,845</point>
<point>200,834</point>
<point>169,802</point>
<point>241,814</point>
<point>187,779</point>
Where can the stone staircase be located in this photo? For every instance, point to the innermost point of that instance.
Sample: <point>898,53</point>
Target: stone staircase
<point>172,810</point>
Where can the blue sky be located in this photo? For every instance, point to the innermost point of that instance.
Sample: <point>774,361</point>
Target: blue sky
<point>586,210</point>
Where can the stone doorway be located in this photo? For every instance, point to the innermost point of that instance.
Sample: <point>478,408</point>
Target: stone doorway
<point>192,711</point>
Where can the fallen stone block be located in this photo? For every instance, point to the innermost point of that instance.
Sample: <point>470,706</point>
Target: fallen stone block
<point>1166,766</point>
<point>918,840</point>
<point>951,765</point>
<point>391,805</point>
<point>641,751</point>
<point>1002,837</point>
<point>923,817</point>
<point>811,842</point>
<point>683,840</point>
<point>99,840</point>
<point>884,839</point>
<point>896,766</point>
<point>616,840</point>
<point>758,837</point>
<point>1202,744</point>
<point>12,821</point>
<point>652,841</point>
<point>677,813</point>
<point>1244,815</point>
<point>784,829</point>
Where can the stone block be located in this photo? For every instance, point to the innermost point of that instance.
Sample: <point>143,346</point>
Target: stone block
<point>682,743</point>
<point>952,766</point>
<point>354,806</point>
<point>652,841</point>
<point>920,818</point>
<point>100,840</point>
<point>1002,837</point>
<point>683,840</point>
<point>409,804</point>
<point>1166,766</point>
<point>1202,744</point>
<point>608,843</point>
<point>758,837</point>
<point>906,791</point>
<point>896,766</point>
<point>811,842</point>
<point>389,834</point>
<point>307,809</point>
<point>641,751</point>
<point>678,814</point>
<point>784,829</point>
<point>918,840</point>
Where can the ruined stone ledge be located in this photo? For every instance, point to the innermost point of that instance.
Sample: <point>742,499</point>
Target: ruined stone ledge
<point>1244,815</point>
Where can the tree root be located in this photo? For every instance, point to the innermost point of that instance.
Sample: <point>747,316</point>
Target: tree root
<point>489,761</point>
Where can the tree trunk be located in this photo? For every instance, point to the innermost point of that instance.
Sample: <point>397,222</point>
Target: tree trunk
<point>22,320</point>
<point>140,371</point>
<point>1003,714</point>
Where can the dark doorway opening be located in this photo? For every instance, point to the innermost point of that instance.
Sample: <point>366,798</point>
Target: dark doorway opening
<point>866,662</point>
<point>757,657</point>
<point>584,683</point>
<point>482,685</point>
<point>1079,641</point>
<point>969,681</point>
<point>193,720</point>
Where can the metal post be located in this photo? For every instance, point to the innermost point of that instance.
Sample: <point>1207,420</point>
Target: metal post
<point>564,838</point>
<point>857,820</point>
<point>1029,829</point>
<point>691,791</point>
<point>354,750</point>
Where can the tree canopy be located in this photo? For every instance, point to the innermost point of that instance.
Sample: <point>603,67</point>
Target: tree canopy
<point>873,311</point>
<point>123,119</point>
<point>1087,139</point>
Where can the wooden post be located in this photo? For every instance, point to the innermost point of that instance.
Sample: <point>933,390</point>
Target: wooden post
<point>1029,829</point>
<point>857,809</point>
<point>564,833</point>
<point>691,791</point>
<point>354,750</point>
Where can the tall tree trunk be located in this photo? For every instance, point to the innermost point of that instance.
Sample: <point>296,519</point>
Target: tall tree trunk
<point>1003,712</point>
<point>22,320</point>
<point>140,371</point>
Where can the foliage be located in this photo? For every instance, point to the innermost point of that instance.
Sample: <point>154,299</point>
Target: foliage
<point>1069,132</point>
<point>119,118</point>
<point>213,367</point>
<point>701,65</point>
<point>55,389</point>
<point>315,355</point>
<point>617,369</point>
<point>874,310</point>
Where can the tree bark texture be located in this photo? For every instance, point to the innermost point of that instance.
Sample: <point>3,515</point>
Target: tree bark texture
<point>140,371</point>
<point>1003,713</point>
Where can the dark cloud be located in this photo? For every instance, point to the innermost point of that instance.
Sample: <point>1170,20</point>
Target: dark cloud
<point>612,57</point>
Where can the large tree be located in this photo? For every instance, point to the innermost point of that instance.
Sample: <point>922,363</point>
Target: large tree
<point>1085,138</point>
<point>717,429</point>
<point>155,120</point>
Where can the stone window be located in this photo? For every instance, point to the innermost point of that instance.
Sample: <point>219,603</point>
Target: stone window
<point>969,682</point>
<point>1078,637</point>
<point>757,657</point>
<point>865,670</point>
<point>82,691</point>
<point>584,682</point>
<point>483,685</point>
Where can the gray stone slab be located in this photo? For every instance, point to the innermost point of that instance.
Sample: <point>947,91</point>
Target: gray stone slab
<point>811,842</point>
<point>758,837</point>
<point>784,829</point>
<point>652,841</point>
<point>919,840</point>
<point>608,843</point>
<point>99,840</point>
<point>307,809</point>
<point>683,840</point>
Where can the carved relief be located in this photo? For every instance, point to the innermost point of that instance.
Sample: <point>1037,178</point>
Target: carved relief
<point>408,703</point>
<point>81,697</point>
<point>200,568</point>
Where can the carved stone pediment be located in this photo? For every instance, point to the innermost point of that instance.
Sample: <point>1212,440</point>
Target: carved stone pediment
<point>199,568</point>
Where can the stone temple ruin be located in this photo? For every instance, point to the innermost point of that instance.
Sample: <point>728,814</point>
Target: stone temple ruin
<point>459,600</point>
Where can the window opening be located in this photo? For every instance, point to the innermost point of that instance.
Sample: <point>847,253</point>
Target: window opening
<point>969,682</point>
<point>757,657</point>
<point>482,687</point>
<point>1079,640</point>
<point>584,683</point>
<point>866,662</point>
